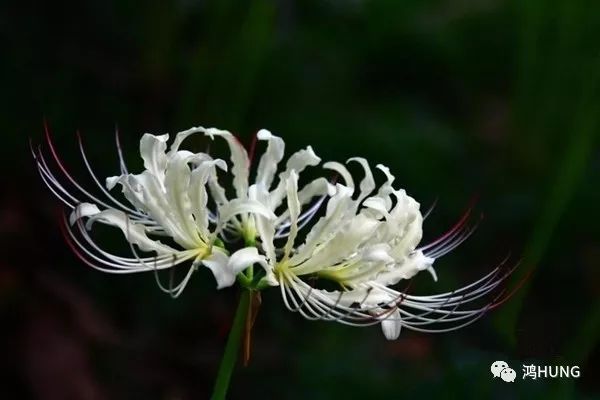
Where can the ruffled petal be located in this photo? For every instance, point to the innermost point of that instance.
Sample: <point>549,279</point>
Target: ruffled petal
<point>198,195</point>
<point>159,207</point>
<point>130,188</point>
<point>177,186</point>
<point>298,162</point>
<point>367,185</point>
<point>181,136</point>
<point>152,151</point>
<point>324,230</point>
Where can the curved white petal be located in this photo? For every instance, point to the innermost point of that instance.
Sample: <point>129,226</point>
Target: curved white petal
<point>181,136</point>
<point>134,233</point>
<point>177,186</point>
<point>407,221</point>
<point>225,269</point>
<point>83,210</point>
<point>160,208</point>
<point>244,258</point>
<point>367,185</point>
<point>341,246</point>
<point>323,231</point>
<point>130,188</point>
<point>386,189</point>
<point>342,170</point>
<point>264,226</point>
<point>298,162</point>
<point>391,325</point>
<point>198,195</point>
<point>217,263</point>
<point>377,204</point>
<point>239,159</point>
<point>152,151</point>
<point>294,209</point>
<point>241,206</point>
<point>318,187</point>
<point>406,269</point>
<point>267,167</point>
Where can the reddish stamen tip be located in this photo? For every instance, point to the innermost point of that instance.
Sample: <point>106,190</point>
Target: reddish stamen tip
<point>63,229</point>
<point>404,294</point>
<point>56,157</point>
<point>458,225</point>
<point>518,286</point>
<point>252,148</point>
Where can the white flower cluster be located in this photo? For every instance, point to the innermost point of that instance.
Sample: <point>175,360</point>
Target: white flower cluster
<point>360,240</point>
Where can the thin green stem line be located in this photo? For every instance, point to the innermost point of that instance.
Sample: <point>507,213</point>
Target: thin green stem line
<point>231,348</point>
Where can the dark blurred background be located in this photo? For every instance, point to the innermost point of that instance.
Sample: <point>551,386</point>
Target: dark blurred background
<point>489,98</point>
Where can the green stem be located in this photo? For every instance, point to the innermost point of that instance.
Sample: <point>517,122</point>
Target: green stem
<point>231,348</point>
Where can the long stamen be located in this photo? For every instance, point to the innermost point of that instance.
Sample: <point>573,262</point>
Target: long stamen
<point>122,164</point>
<point>125,208</point>
<point>461,222</point>
<point>430,209</point>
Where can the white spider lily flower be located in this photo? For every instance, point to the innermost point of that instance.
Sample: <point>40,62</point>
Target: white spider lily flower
<point>269,194</point>
<point>365,243</point>
<point>168,199</point>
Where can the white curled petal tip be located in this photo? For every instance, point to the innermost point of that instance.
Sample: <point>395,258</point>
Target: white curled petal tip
<point>181,136</point>
<point>218,262</point>
<point>368,183</point>
<point>386,171</point>
<point>244,258</point>
<point>220,163</point>
<point>378,204</point>
<point>240,206</point>
<point>313,156</point>
<point>83,210</point>
<point>342,171</point>
<point>263,134</point>
<point>212,132</point>
<point>226,268</point>
<point>391,325</point>
<point>112,181</point>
